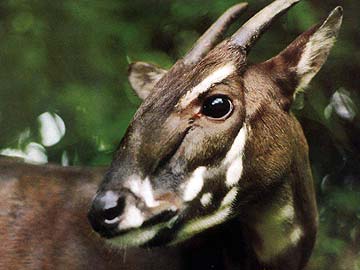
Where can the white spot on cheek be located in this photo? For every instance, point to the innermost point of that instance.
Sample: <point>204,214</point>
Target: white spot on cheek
<point>131,218</point>
<point>234,158</point>
<point>234,172</point>
<point>142,189</point>
<point>204,222</point>
<point>195,184</point>
<point>215,77</point>
<point>206,199</point>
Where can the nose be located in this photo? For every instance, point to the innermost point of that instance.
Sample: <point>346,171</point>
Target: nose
<point>105,211</point>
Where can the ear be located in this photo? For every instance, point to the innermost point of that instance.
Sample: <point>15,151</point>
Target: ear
<point>143,76</point>
<point>295,66</point>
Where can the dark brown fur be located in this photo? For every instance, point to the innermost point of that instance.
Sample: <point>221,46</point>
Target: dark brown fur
<point>43,209</point>
<point>43,223</point>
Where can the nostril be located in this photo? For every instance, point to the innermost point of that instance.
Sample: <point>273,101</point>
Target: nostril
<point>113,212</point>
<point>105,211</point>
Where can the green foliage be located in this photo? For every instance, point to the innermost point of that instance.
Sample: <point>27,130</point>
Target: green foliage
<point>70,58</point>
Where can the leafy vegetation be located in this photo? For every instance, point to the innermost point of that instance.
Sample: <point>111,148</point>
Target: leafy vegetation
<point>66,62</point>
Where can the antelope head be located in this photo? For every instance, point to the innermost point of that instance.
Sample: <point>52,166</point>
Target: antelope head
<point>213,135</point>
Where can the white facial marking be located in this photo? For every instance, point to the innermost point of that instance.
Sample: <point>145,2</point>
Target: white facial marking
<point>194,184</point>
<point>200,224</point>
<point>141,236</point>
<point>206,199</point>
<point>315,53</point>
<point>233,159</point>
<point>136,237</point>
<point>217,76</point>
<point>278,231</point>
<point>287,212</point>
<point>295,235</point>
<point>132,218</point>
<point>142,189</point>
<point>230,197</point>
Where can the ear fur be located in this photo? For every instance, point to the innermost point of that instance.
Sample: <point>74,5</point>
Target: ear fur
<point>318,47</point>
<point>295,66</point>
<point>143,76</point>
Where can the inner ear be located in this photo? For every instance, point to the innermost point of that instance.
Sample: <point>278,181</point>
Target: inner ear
<point>143,76</point>
<point>295,66</point>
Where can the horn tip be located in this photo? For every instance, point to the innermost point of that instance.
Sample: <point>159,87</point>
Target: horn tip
<point>239,7</point>
<point>242,4</point>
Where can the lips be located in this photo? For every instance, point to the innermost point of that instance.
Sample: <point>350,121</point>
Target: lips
<point>154,232</point>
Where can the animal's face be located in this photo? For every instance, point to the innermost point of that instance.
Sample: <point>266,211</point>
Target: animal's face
<point>209,137</point>
<point>184,153</point>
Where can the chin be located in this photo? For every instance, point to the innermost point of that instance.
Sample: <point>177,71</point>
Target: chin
<point>162,234</point>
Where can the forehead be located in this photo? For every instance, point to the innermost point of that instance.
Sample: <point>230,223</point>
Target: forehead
<point>181,82</point>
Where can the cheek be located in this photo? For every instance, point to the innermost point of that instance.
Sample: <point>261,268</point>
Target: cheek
<point>210,212</point>
<point>205,192</point>
<point>205,148</point>
<point>208,142</point>
<point>220,176</point>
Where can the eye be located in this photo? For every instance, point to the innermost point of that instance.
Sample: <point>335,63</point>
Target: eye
<point>217,107</point>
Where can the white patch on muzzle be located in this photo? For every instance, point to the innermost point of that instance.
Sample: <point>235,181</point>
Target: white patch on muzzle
<point>142,189</point>
<point>234,158</point>
<point>132,218</point>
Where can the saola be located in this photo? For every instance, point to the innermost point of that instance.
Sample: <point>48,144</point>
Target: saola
<point>213,172</point>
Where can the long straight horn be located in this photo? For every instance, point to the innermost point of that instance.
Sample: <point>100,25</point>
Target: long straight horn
<point>213,35</point>
<point>251,31</point>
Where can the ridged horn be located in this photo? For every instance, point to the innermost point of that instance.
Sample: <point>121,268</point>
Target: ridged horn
<point>251,31</point>
<point>213,35</point>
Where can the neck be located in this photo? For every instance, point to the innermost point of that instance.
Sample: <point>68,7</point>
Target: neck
<point>274,226</point>
<point>283,224</point>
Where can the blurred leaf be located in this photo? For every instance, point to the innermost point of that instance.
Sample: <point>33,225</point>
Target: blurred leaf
<point>343,104</point>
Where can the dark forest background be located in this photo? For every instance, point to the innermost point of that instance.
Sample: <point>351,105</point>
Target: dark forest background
<point>65,98</point>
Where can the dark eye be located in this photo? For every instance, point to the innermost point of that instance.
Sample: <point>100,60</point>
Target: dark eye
<point>217,107</point>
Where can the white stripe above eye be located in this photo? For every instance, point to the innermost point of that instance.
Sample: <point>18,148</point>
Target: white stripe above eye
<point>215,77</point>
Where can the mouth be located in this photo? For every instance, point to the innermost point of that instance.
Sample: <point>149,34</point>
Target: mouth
<point>153,232</point>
